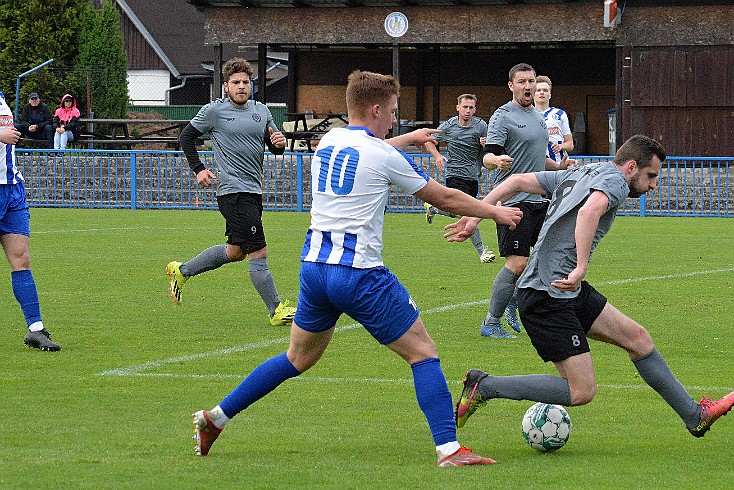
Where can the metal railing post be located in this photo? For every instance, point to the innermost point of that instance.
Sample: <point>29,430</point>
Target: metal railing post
<point>133,181</point>
<point>643,205</point>
<point>299,182</point>
<point>17,82</point>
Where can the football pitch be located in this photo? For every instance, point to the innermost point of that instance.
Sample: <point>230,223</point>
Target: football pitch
<point>112,409</point>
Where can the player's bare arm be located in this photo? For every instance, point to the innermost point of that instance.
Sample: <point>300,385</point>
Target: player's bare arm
<point>433,150</point>
<point>565,163</point>
<point>463,229</point>
<point>277,138</point>
<point>418,137</point>
<point>460,230</point>
<point>587,221</point>
<point>492,161</point>
<point>527,182</point>
<point>458,202</point>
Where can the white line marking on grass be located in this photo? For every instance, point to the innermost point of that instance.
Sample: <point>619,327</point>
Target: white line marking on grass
<point>670,276</point>
<point>124,228</point>
<point>321,379</point>
<point>140,368</point>
<point>133,370</point>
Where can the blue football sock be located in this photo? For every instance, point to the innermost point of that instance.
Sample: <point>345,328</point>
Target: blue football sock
<point>261,381</point>
<point>24,289</point>
<point>434,398</point>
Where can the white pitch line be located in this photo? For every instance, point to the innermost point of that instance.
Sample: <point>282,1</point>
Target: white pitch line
<point>138,369</point>
<point>124,228</point>
<point>321,379</point>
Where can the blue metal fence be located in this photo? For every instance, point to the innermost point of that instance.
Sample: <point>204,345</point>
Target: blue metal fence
<point>689,186</point>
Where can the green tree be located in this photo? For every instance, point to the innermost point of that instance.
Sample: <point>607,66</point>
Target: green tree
<point>31,32</point>
<point>101,63</point>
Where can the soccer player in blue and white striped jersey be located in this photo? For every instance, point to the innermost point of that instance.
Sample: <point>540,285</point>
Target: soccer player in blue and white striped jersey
<point>15,230</point>
<point>342,269</point>
<point>560,138</point>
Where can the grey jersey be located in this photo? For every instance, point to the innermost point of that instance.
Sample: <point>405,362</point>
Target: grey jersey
<point>554,254</point>
<point>463,147</point>
<point>238,138</point>
<point>524,136</point>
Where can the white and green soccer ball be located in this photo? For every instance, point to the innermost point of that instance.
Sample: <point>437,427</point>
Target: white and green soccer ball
<point>546,427</point>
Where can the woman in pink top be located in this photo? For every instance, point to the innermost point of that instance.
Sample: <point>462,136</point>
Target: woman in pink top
<point>66,122</point>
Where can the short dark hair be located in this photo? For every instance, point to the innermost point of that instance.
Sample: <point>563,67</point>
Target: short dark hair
<point>520,67</point>
<point>236,65</point>
<point>641,149</point>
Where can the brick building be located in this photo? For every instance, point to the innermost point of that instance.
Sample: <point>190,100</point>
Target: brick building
<point>667,69</point>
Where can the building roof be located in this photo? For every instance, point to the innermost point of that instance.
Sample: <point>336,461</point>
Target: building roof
<point>175,31</point>
<point>418,3</point>
<point>178,39</point>
<point>359,3</point>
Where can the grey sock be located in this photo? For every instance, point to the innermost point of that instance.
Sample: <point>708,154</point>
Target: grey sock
<point>211,258</point>
<point>656,373</point>
<point>543,388</point>
<point>476,240</point>
<point>502,291</point>
<point>262,279</point>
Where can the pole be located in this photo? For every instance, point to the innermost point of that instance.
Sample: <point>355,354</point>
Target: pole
<point>17,83</point>
<point>396,75</point>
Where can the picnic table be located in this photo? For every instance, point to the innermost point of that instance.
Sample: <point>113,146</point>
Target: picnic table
<point>118,133</point>
<point>303,129</point>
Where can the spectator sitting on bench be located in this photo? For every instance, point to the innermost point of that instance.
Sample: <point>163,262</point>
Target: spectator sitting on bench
<point>66,122</point>
<point>36,121</point>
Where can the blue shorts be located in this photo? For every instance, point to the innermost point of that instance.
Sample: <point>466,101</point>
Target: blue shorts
<point>373,297</point>
<point>14,215</point>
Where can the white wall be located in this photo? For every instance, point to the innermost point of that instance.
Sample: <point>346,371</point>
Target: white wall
<point>148,87</point>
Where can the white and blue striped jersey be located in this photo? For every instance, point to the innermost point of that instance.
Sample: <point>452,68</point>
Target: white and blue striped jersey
<point>9,173</point>
<point>351,175</point>
<point>558,126</point>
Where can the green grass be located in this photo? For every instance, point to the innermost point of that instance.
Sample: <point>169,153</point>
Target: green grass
<point>352,421</point>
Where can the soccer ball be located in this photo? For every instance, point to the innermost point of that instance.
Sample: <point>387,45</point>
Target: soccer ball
<point>546,427</point>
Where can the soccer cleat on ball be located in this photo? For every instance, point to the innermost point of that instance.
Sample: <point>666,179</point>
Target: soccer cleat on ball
<point>205,432</point>
<point>546,427</point>
<point>470,398</point>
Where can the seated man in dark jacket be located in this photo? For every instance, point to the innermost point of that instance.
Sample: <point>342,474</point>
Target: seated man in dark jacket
<point>36,121</point>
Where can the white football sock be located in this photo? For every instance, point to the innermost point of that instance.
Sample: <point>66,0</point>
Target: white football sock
<point>35,326</point>
<point>218,418</point>
<point>447,449</point>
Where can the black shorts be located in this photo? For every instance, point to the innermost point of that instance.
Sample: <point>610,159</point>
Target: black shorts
<point>466,186</point>
<point>557,327</point>
<point>243,213</point>
<point>521,239</point>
